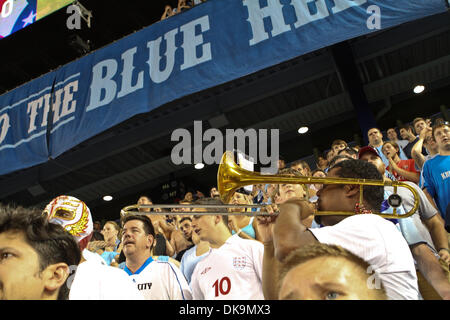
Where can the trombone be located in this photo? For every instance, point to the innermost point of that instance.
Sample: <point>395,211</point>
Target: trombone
<point>231,177</point>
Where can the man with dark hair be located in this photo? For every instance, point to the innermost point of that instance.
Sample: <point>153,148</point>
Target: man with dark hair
<point>348,152</point>
<point>392,136</point>
<point>185,225</point>
<point>178,240</point>
<point>327,272</point>
<point>407,133</point>
<point>157,280</point>
<point>419,124</point>
<point>35,256</point>
<point>364,234</point>
<point>193,255</point>
<point>337,159</point>
<point>232,268</point>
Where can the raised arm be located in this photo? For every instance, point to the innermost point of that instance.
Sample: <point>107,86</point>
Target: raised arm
<point>270,263</point>
<point>290,231</point>
<point>416,151</point>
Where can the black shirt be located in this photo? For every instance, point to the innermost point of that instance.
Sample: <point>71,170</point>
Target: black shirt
<point>407,149</point>
<point>160,247</point>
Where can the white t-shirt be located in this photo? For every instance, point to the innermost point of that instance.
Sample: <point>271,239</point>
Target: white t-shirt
<point>94,280</point>
<point>381,245</point>
<point>413,229</point>
<point>231,272</point>
<point>160,280</point>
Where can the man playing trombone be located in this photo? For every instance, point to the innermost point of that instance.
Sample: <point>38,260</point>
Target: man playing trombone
<point>369,236</point>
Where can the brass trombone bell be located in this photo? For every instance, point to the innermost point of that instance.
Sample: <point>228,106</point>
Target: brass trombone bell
<point>231,177</point>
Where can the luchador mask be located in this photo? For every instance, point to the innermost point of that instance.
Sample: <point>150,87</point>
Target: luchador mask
<point>72,214</point>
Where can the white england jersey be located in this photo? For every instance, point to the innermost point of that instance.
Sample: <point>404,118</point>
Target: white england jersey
<point>160,280</point>
<point>231,272</point>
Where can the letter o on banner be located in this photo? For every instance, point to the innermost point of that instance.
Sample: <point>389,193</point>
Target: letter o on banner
<point>4,123</point>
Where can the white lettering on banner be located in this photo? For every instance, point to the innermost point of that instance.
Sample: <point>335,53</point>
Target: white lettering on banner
<point>103,87</point>
<point>46,109</point>
<point>256,14</point>
<point>32,110</point>
<point>306,11</point>
<point>127,74</point>
<point>154,61</point>
<point>68,105</point>
<point>4,120</point>
<point>100,84</point>
<point>192,41</point>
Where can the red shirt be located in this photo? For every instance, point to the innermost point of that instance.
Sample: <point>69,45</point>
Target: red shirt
<point>408,165</point>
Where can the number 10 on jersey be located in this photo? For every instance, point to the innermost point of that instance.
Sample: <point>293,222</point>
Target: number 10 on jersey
<point>222,286</point>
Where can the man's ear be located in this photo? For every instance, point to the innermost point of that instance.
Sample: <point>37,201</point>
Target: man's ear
<point>55,275</point>
<point>151,240</point>
<point>217,219</point>
<point>351,190</point>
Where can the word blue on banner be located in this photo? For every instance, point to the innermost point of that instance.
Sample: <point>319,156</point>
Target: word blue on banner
<point>213,43</point>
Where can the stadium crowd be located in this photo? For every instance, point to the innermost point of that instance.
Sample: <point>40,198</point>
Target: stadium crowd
<point>62,252</point>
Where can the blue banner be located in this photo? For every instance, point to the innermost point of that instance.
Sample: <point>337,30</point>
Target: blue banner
<point>213,43</point>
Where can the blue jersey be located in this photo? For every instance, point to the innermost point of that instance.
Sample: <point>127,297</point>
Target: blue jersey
<point>189,261</point>
<point>436,178</point>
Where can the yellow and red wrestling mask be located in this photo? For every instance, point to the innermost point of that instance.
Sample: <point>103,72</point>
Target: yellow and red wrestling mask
<point>73,215</point>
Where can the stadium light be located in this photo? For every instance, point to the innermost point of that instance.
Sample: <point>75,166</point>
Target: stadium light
<point>303,130</point>
<point>199,166</point>
<point>419,89</point>
<point>107,198</point>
